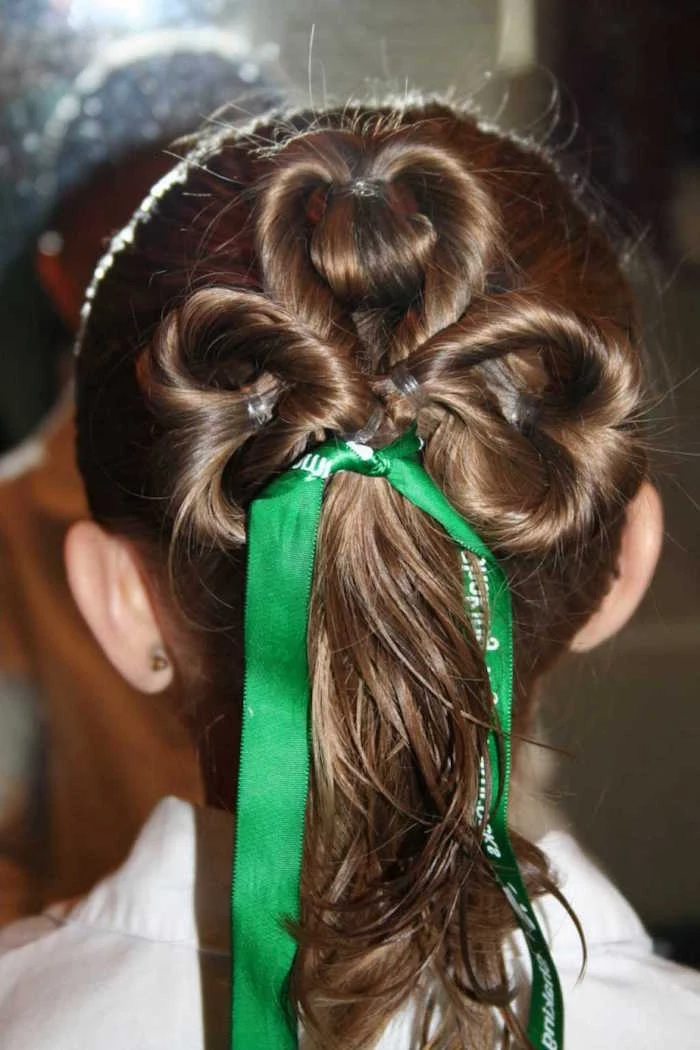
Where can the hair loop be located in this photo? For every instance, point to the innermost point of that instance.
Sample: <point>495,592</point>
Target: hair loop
<point>402,199</point>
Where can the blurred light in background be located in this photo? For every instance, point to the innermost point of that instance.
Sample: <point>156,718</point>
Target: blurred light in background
<point>517,36</point>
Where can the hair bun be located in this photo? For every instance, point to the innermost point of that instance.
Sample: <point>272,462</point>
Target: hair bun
<point>241,383</point>
<point>536,436</point>
<point>350,223</point>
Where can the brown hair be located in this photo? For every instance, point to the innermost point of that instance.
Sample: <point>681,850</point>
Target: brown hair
<point>301,263</point>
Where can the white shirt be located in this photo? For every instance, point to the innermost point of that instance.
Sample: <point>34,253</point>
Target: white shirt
<point>142,962</point>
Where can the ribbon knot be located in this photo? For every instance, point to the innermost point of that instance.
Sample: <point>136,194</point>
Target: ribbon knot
<point>334,456</point>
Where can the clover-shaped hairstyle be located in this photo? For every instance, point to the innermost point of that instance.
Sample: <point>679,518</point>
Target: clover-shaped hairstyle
<point>350,272</point>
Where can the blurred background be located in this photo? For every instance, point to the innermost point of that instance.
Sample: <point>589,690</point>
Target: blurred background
<point>91,94</point>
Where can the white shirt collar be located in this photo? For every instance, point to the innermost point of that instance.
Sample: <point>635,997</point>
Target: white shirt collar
<point>175,887</point>
<point>175,884</point>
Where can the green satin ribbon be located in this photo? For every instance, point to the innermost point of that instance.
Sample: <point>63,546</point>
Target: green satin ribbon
<point>275,744</point>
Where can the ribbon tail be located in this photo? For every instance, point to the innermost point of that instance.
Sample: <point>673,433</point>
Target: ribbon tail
<point>274,767</point>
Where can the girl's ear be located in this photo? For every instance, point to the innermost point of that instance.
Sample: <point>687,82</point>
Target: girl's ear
<point>639,553</point>
<point>108,588</point>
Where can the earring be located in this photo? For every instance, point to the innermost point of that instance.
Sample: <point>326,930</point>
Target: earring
<point>159,659</point>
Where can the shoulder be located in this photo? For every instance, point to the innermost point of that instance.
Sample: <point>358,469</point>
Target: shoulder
<point>121,967</point>
<point>65,986</point>
<point>626,997</point>
<point>630,999</point>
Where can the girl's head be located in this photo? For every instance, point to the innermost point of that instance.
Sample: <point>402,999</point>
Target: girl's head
<point>347,274</point>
